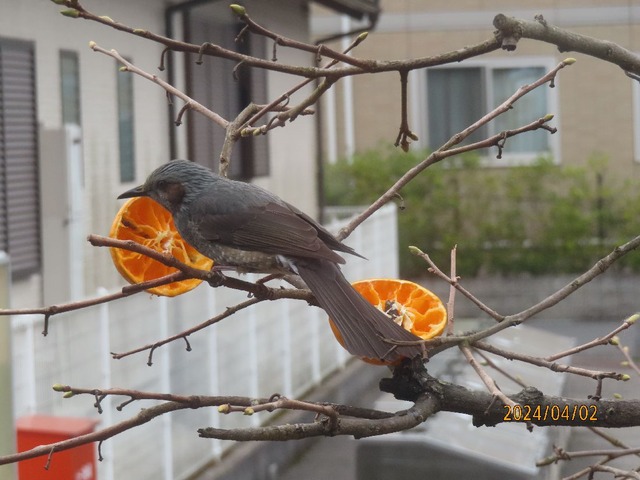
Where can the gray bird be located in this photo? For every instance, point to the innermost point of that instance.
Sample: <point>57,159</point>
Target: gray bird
<point>247,228</point>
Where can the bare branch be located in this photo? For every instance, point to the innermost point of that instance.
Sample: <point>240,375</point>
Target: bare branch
<point>453,277</point>
<point>598,341</point>
<point>446,150</point>
<point>485,377</point>
<point>189,103</point>
<point>551,365</point>
<point>212,277</point>
<point>184,334</point>
<point>424,407</point>
<point>305,47</point>
<point>438,344</point>
<point>566,41</point>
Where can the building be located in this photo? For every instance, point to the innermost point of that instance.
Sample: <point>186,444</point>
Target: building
<point>76,131</point>
<point>596,107</point>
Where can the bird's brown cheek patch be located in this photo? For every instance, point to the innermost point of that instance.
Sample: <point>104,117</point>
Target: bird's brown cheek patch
<point>174,192</point>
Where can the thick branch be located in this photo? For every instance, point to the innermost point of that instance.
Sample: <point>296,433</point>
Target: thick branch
<point>411,382</point>
<point>566,41</point>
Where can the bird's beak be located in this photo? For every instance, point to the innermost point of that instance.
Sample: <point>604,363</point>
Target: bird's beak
<point>138,191</point>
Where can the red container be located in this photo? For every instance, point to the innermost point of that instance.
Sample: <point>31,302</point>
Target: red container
<point>75,464</point>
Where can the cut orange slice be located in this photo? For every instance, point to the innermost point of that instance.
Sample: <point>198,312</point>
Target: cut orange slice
<point>148,223</point>
<point>410,305</point>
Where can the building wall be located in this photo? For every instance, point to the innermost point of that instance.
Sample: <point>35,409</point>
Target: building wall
<point>292,149</point>
<point>51,32</point>
<point>594,112</point>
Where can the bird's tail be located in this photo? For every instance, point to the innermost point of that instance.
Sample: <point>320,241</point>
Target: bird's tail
<point>363,327</point>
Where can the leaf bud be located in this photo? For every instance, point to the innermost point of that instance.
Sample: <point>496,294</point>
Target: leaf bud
<point>238,9</point>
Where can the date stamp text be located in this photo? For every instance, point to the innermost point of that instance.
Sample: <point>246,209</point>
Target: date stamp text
<point>553,412</point>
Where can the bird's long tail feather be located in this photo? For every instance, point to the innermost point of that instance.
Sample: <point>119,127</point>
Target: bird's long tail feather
<point>363,327</point>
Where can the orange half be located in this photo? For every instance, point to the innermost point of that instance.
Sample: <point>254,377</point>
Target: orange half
<point>410,305</point>
<point>148,223</point>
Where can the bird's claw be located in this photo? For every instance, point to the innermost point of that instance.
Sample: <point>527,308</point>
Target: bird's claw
<point>262,291</point>
<point>216,279</point>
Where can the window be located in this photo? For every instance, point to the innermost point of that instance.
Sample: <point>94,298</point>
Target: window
<point>126,136</point>
<point>458,96</point>
<point>19,184</point>
<point>70,87</point>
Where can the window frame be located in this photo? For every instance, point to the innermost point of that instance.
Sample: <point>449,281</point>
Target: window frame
<point>420,118</point>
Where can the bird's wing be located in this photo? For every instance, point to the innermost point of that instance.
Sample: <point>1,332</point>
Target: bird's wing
<point>271,228</point>
<point>327,237</point>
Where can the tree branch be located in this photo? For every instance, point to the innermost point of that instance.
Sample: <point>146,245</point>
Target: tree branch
<point>566,41</point>
<point>446,150</point>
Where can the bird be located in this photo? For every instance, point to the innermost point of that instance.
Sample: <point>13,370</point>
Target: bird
<point>245,227</point>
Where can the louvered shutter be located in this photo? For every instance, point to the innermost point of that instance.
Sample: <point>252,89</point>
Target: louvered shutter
<point>19,197</point>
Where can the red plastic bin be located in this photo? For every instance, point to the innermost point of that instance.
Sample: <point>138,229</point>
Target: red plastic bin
<point>78,463</point>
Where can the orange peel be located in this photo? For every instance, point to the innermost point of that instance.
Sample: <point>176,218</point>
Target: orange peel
<point>410,305</point>
<point>148,223</point>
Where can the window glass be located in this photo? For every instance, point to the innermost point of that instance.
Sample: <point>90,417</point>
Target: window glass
<point>70,87</point>
<point>125,125</point>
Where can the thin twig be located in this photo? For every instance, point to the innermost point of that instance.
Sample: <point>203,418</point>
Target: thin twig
<point>493,365</point>
<point>189,103</point>
<point>185,333</point>
<point>453,276</point>
<point>542,362</point>
<point>405,134</point>
<point>593,343</point>
<point>272,106</point>
<point>485,377</point>
<point>454,283</point>
<point>438,344</point>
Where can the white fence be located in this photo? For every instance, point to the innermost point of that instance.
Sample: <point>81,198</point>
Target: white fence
<point>281,346</point>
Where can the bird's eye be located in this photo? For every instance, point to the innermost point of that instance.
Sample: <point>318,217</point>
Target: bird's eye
<point>161,185</point>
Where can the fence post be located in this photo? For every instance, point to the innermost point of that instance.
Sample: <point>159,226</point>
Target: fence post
<point>315,346</point>
<point>285,338</point>
<point>254,359</point>
<point>165,382</point>
<point>106,466</point>
<point>214,378</point>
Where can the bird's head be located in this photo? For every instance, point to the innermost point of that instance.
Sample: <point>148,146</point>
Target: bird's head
<point>172,184</point>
